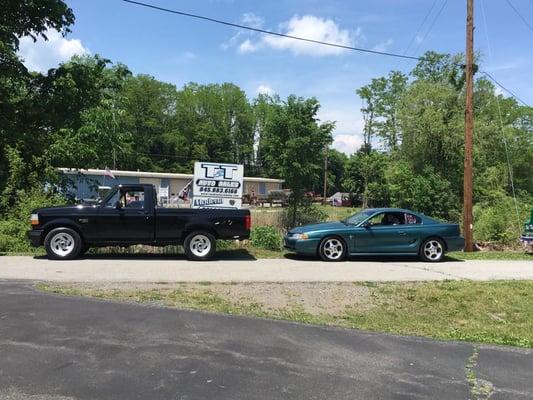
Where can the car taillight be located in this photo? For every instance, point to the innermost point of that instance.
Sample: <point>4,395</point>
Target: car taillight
<point>35,219</point>
<point>247,222</point>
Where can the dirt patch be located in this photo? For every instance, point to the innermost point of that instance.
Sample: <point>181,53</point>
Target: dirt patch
<point>313,298</point>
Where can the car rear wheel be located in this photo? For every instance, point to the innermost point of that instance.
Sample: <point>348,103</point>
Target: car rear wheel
<point>432,250</point>
<point>332,249</point>
<point>62,244</point>
<point>199,246</point>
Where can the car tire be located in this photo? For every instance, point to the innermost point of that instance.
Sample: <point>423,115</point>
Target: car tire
<point>332,248</point>
<point>199,246</point>
<point>432,250</point>
<point>63,244</point>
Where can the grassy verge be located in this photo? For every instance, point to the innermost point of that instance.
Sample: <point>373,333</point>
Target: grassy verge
<point>490,312</point>
<point>491,255</point>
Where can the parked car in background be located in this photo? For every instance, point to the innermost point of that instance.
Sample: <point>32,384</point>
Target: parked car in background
<point>129,215</point>
<point>377,231</point>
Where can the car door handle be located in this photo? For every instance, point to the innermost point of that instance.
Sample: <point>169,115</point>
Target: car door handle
<point>402,233</point>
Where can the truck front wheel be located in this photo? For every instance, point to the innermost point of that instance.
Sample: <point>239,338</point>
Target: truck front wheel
<point>62,244</point>
<point>199,246</point>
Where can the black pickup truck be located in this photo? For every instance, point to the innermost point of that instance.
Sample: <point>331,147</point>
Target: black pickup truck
<point>129,215</point>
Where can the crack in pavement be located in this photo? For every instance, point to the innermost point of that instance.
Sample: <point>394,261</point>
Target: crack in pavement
<point>480,389</point>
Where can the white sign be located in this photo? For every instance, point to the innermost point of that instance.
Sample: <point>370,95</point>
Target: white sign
<point>163,191</point>
<point>217,185</point>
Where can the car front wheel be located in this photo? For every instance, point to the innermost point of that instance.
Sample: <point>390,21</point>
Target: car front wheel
<point>199,246</point>
<point>432,250</point>
<point>62,244</point>
<point>332,249</point>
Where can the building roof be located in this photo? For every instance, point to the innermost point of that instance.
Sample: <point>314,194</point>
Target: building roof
<point>143,174</point>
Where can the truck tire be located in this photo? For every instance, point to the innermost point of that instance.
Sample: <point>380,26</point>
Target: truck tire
<point>62,244</point>
<point>199,246</point>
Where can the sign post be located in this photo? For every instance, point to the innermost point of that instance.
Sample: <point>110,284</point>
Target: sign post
<point>217,185</point>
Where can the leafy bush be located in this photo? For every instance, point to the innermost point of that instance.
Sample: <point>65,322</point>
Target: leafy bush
<point>266,237</point>
<point>16,220</point>
<point>306,214</point>
<point>497,222</point>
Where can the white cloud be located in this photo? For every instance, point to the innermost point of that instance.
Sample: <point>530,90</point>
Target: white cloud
<point>43,55</point>
<point>264,89</point>
<point>311,27</point>
<point>347,144</point>
<point>246,47</point>
<point>383,46</point>
<point>306,26</point>
<point>252,20</point>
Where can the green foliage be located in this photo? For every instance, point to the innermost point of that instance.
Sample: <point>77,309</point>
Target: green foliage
<point>306,213</point>
<point>498,222</point>
<point>266,237</point>
<point>15,224</point>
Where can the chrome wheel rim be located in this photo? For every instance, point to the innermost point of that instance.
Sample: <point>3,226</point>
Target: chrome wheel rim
<point>333,249</point>
<point>62,244</point>
<point>200,245</point>
<point>433,250</point>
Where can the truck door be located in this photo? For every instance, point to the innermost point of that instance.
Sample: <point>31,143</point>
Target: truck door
<point>127,216</point>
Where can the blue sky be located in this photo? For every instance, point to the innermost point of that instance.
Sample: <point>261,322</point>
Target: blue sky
<point>179,50</point>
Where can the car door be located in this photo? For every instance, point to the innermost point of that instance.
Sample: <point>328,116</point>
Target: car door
<point>127,216</point>
<point>380,236</point>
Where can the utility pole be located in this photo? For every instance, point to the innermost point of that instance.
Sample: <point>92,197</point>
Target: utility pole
<point>469,128</point>
<point>325,173</point>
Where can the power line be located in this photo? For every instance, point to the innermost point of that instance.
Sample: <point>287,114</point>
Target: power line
<point>421,25</point>
<point>520,15</point>
<point>504,88</point>
<point>383,53</point>
<point>266,32</point>
<point>431,25</point>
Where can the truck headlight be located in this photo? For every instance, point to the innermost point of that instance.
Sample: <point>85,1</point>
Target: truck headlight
<point>35,219</point>
<point>301,236</point>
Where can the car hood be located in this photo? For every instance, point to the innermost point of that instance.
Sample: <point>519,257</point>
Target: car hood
<point>333,225</point>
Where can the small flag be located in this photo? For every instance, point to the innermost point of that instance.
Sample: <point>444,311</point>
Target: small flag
<point>109,173</point>
<point>184,193</point>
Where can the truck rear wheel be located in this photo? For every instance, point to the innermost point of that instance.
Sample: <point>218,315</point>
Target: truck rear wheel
<point>199,246</point>
<point>62,244</point>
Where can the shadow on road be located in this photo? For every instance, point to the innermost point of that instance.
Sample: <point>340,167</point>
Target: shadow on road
<point>380,258</point>
<point>236,254</point>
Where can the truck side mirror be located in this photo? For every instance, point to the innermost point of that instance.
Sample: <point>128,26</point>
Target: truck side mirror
<point>118,206</point>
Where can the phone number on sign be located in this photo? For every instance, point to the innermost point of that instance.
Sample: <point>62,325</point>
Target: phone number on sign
<point>218,190</point>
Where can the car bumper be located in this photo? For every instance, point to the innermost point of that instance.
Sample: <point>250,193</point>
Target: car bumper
<point>35,237</point>
<point>455,243</point>
<point>308,246</point>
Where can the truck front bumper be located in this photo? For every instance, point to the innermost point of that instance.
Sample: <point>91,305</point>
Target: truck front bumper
<point>35,237</point>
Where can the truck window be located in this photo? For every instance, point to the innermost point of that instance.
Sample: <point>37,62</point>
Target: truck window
<point>132,199</point>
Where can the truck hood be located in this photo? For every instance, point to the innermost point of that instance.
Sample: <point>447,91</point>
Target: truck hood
<point>60,209</point>
<point>332,225</point>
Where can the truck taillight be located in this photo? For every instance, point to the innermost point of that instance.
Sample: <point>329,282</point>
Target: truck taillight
<point>247,222</point>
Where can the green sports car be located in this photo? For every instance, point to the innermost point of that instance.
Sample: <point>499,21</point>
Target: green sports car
<point>377,231</point>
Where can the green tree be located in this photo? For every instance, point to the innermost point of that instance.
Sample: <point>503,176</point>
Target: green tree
<point>293,146</point>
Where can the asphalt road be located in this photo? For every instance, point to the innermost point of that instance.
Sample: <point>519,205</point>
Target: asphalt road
<point>59,348</point>
<point>177,269</point>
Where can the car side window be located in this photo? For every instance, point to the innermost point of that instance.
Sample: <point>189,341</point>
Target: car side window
<point>387,219</point>
<point>411,219</point>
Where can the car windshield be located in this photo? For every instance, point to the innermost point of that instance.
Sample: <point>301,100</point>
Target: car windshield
<point>356,219</point>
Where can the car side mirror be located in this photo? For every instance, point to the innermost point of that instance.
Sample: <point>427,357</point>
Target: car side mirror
<point>366,225</point>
